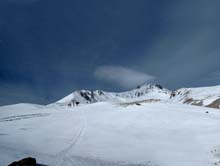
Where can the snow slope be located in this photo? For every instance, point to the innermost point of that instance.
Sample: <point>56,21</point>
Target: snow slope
<point>106,134</point>
<point>201,96</point>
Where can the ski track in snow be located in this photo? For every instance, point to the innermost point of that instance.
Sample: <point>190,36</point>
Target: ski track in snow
<point>20,117</point>
<point>81,161</point>
<point>63,156</point>
<point>112,129</point>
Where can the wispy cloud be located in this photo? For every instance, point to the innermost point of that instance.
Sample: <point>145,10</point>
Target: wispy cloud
<point>122,76</point>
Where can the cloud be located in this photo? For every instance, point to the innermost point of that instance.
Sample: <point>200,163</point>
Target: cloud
<point>124,77</point>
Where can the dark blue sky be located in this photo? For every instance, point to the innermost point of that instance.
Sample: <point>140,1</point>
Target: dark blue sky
<point>49,48</point>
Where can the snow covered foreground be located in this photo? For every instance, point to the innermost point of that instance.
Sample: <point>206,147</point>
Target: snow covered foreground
<point>105,134</point>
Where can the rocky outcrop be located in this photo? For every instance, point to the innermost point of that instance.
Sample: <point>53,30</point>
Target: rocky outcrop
<point>214,104</point>
<point>29,161</point>
<point>193,102</point>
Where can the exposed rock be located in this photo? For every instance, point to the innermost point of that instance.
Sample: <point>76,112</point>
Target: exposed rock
<point>193,102</point>
<point>188,101</point>
<point>29,161</point>
<point>139,86</point>
<point>173,94</point>
<point>139,102</point>
<point>214,104</point>
<point>86,95</point>
<point>159,86</point>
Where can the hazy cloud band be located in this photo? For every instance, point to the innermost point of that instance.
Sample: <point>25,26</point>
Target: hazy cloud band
<point>124,77</point>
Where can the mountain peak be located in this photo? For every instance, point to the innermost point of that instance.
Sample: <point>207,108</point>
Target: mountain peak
<point>201,96</point>
<point>150,86</point>
<point>155,91</point>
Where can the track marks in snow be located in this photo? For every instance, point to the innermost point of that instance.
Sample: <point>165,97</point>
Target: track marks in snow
<point>82,161</point>
<point>2,134</point>
<point>63,156</point>
<point>20,117</point>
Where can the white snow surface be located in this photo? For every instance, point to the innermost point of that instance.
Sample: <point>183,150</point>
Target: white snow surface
<point>204,94</point>
<point>107,134</point>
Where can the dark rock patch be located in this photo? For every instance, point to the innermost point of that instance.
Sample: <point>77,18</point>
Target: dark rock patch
<point>29,161</point>
<point>159,86</point>
<point>214,104</point>
<point>193,102</point>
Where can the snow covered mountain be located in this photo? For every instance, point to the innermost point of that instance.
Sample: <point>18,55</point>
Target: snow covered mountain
<point>202,96</point>
<point>143,92</point>
<point>148,126</point>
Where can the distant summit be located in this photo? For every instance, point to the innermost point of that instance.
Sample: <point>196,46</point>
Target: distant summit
<point>202,96</point>
<point>146,91</point>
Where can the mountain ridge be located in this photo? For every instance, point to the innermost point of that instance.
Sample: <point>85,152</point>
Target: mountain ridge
<point>200,96</point>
